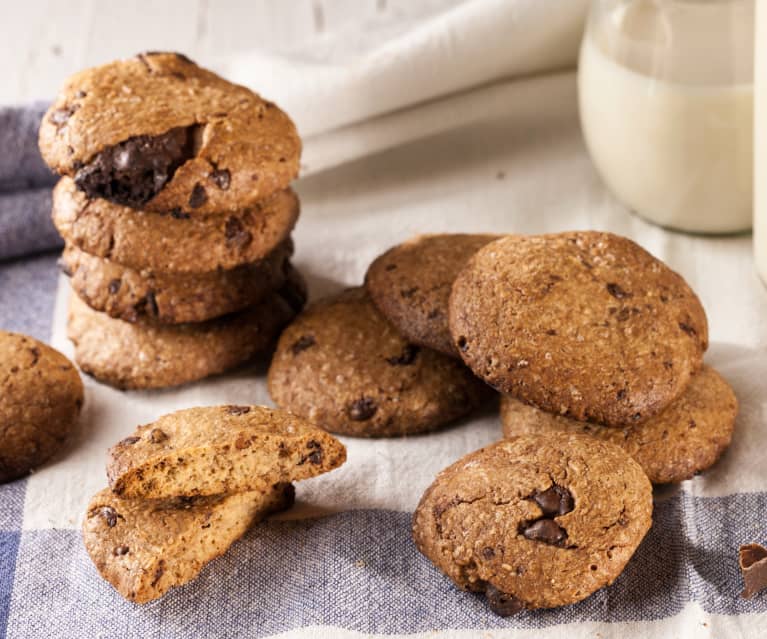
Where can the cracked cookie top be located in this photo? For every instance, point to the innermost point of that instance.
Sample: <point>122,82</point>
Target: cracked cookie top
<point>584,324</point>
<point>158,132</point>
<point>535,522</point>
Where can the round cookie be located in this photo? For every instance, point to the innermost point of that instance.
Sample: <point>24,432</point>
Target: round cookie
<point>159,133</point>
<point>41,395</point>
<point>173,298</point>
<point>179,244</point>
<point>685,439</point>
<point>535,522</point>
<point>584,324</point>
<point>342,366</point>
<point>410,284</point>
<point>148,355</point>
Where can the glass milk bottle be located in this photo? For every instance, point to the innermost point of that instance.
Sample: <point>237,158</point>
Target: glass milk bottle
<point>760,142</point>
<point>666,104</point>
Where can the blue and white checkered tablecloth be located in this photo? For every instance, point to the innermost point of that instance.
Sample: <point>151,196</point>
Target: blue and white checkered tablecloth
<point>342,563</point>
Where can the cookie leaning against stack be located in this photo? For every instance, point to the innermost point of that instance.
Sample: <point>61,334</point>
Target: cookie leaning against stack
<point>175,207</point>
<point>184,488</point>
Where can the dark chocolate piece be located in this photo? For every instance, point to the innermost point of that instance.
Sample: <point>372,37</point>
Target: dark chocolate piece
<point>134,171</point>
<point>752,559</point>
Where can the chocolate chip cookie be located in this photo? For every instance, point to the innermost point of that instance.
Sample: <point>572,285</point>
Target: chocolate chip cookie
<point>174,242</point>
<point>149,355</point>
<point>220,449</point>
<point>173,298</point>
<point>145,548</point>
<point>685,439</point>
<point>535,521</point>
<point>159,133</point>
<point>41,395</point>
<point>344,367</point>
<point>584,324</point>
<point>411,282</point>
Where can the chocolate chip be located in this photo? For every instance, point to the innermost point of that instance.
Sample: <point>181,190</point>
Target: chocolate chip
<point>151,304</point>
<point>488,553</point>
<point>178,214</point>
<point>688,329</point>
<point>114,287</point>
<point>551,331</point>
<point>222,178</point>
<point>390,267</point>
<point>501,603</point>
<point>121,550</point>
<point>80,95</point>
<point>546,530</point>
<point>157,436</point>
<point>237,410</point>
<point>158,573</point>
<point>198,196</point>
<point>302,343</point>
<point>110,515</point>
<point>235,233</point>
<point>406,357</point>
<point>621,394</point>
<point>462,344</point>
<point>616,291</point>
<point>362,409</point>
<point>553,501</point>
<point>61,116</point>
<point>128,441</point>
<point>134,171</point>
<point>315,457</point>
<point>35,355</point>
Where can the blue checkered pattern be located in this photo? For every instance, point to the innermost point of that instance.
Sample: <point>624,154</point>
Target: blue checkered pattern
<point>358,570</point>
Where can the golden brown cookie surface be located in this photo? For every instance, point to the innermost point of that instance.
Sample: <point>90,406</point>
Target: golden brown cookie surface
<point>172,136</point>
<point>148,355</point>
<point>173,298</point>
<point>145,548</point>
<point>410,284</point>
<point>178,244</point>
<point>41,395</point>
<point>344,367</point>
<point>685,439</point>
<point>535,522</point>
<point>584,324</point>
<point>215,450</point>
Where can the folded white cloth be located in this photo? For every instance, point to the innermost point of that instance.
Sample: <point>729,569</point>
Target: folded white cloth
<point>361,90</point>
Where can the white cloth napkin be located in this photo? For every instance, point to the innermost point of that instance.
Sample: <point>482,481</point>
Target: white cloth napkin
<point>409,76</point>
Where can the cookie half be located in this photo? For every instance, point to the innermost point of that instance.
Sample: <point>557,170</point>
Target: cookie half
<point>148,355</point>
<point>343,366</point>
<point>41,395</point>
<point>535,522</point>
<point>173,298</point>
<point>411,282</point>
<point>172,242</point>
<point>220,449</point>
<point>159,133</point>
<point>144,548</point>
<point>583,324</point>
<point>682,441</point>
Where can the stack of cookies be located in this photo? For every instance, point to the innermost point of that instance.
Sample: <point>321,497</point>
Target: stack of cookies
<point>176,211</point>
<point>186,487</point>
